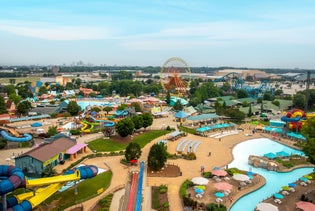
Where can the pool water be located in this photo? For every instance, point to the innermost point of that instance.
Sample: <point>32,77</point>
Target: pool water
<point>84,104</point>
<point>274,180</point>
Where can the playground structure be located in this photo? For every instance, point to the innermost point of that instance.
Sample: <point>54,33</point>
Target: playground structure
<point>175,76</point>
<point>295,119</point>
<point>14,178</point>
<point>89,126</point>
<point>16,136</point>
<point>236,81</point>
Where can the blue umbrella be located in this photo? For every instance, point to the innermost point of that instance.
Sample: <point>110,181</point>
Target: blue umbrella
<point>282,154</point>
<point>278,196</point>
<point>303,179</point>
<point>250,173</point>
<point>199,191</point>
<point>181,114</point>
<point>292,185</point>
<point>270,155</point>
<point>219,194</point>
<point>36,124</point>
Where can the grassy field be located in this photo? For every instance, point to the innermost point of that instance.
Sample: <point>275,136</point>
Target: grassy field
<point>19,80</point>
<point>105,145</point>
<point>86,189</point>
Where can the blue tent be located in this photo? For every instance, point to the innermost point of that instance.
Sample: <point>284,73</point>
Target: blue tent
<point>270,155</point>
<point>282,154</point>
<point>181,115</point>
<point>36,124</point>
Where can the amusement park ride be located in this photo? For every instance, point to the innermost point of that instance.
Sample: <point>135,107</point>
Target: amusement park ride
<point>236,81</point>
<point>175,76</point>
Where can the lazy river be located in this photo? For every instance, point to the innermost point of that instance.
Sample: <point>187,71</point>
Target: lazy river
<point>274,180</point>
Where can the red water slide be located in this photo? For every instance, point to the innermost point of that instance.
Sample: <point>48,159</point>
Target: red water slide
<point>133,192</point>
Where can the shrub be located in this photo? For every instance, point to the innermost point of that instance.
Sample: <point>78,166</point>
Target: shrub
<point>232,171</point>
<point>215,207</point>
<point>166,204</point>
<point>75,132</point>
<point>163,189</point>
<point>183,188</point>
<point>207,174</point>
<point>3,143</point>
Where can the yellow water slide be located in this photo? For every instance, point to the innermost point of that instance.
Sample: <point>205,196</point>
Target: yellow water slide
<point>51,180</point>
<point>83,129</point>
<point>45,194</point>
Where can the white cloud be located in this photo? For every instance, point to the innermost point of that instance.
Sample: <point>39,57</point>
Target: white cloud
<point>48,31</point>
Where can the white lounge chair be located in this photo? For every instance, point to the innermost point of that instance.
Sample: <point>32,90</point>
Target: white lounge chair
<point>292,190</point>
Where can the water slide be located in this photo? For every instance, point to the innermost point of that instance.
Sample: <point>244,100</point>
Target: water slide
<point>139,193</point>
<point>5,135</point>
<point>106,122</point>
<point>133,188</point>
<point>12,131</point>
<point>28,201</point>
<point>84,128</point>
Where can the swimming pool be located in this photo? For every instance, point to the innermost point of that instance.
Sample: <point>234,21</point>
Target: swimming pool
<point>84,104</point>
<point>274,180</point>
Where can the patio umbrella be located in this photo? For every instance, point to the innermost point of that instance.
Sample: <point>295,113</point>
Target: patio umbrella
<point>282,154</point>
<point>250,173</point>
<point>181,114</point>
<point>292,185</point>
<point>266,207</point>
<point>270,155</point>
<point>219,172</point>
<point>199,191</point>
<point>240,177</point>
<point>36,124</point>
<point>223,186</point>
<point>303,179</point>
<point>306,206</point>
<point>200,180</point>
<point>285,188</point>
<point>219,194</point>
<point>278,196</point>
<point>202,187</point>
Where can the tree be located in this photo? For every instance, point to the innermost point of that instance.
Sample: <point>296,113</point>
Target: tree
<point>178,106</point>
<point>52,130</point>
<point>168,97</point>
<point>122,107</point>
<point>107,109</point>
<point>133,151</point>
<point>250,113</point>
<point>3,107</point>
<point>73,108</point>
<point>157,156</point>
<point>138,121</point>
<point>9,89</point>
<point>96,109</point>
<point>241,93</point>
<point>49,171</point>
<point>136,106</point>
<point>42,90</point>
<point>268,96</point>
<point>23,107</point>
<point>308,130</point>
<point>147,120</point>
<point>15,98</point>
<point>125,127</point>
<point>299,101</point>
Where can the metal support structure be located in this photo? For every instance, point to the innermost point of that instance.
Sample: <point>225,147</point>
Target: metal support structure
<point>307,94</point>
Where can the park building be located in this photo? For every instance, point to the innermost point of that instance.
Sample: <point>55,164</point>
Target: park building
<point>54,151</point>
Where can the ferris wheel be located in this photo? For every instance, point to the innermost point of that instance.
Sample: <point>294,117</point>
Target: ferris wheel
<point>175,76</point>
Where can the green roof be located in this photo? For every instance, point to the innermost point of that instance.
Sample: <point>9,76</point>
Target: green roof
<point>247,99</point>
<point>245,109</point>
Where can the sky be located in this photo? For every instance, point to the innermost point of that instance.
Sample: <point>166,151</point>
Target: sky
<point>213,33</point>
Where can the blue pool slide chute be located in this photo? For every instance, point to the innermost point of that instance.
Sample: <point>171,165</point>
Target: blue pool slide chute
<point>106,122</point>
<point>5,135</point>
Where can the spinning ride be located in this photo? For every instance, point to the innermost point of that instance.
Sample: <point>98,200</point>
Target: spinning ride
<point>175,76</point>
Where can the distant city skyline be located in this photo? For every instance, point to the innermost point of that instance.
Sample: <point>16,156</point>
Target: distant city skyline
<point>245,33</point>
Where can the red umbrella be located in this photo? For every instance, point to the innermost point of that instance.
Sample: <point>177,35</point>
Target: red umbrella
<point>133,161</point>
<point>219,172</point>
<point>306,206</point>
<point>223,186</point>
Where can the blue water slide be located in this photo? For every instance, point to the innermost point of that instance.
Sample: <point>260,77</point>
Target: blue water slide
<point>106,122</point>
<point>287,119</point>
<point>139,193</point>
<point>5,135</point>
<point>86,172</point>
<point>15,178</point>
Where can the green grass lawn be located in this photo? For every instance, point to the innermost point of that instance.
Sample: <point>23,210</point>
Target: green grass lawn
<point>86,189</point>
<point>105,145</point>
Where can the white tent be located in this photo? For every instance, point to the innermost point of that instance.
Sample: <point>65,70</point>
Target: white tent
<point>200,180</point>
<point>266,207</point>
<point>240,177</point>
